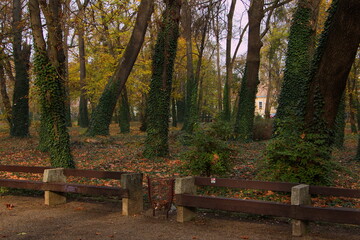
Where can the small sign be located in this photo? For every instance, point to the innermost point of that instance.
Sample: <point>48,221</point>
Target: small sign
<point>213,180</point>
<point>71,189</point>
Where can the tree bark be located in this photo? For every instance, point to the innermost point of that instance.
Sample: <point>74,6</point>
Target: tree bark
<point>333,62</point>
<point>20,107</point>
<point>101,116</point>
<point>352,98</point>
<point>229,74</point>
<point>124,112</point>
<point>3,92</point>
<point>191,84</point>
<point>245,116</point>
<point>83,120</point>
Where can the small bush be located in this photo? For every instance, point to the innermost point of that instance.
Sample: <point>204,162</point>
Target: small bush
<point>209,156</point>
<point>263,128</point>
<point>302,158</point>
<point>222,130</point>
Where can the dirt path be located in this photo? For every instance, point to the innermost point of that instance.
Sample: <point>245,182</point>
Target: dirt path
<point>30,219</point>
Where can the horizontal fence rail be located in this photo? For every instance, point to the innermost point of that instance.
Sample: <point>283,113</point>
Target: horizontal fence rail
<point>274,186</point>
<point>67,171</point>
<point>301,212</point>
<point>65,187</point>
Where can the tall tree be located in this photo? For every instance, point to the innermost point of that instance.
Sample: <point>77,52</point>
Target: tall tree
<point>124,112</point>
<point>245,113</point>
<point>83,119</point>
<point>50,68</point>
<point>301,152</point>
<point>161,81</point>
<point>227,89</point>
<point>332,64</point>
<point>297,66</point>
<point>20,107</point>
<point>191,84</point>
<point>102,114</point>
<point>351,93</point>
<point>245,116</point>
<point>3,90</point>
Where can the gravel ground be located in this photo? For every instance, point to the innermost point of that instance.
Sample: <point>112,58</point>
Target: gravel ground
<point>24,217</point>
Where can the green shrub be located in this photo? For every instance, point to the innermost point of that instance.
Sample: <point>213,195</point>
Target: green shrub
<point>209,156</point>
<point>302,158</point>
<point>221,129</point>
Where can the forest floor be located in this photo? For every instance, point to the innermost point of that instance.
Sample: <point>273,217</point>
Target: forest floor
<point>84,218</point>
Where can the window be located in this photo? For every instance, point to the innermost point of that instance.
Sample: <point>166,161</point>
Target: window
<point>260,105</point>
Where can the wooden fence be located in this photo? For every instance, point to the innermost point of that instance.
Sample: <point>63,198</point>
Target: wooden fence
<point>131,184</point>
<point>187,198</point>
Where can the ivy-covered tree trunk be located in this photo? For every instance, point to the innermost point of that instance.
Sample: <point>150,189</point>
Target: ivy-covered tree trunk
<point>301,152</point>
<point>49,68</point>
<point>20,107</point>
<point>332,64</point>
<point>292,99</point>
<point>158,110</point>
<point>124,112</point>
<point>243,128</point>
<point>102,114</point>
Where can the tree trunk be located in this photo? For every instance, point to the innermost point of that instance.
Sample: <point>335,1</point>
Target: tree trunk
<point>20,108</point>
<point>156,144</point>
<point>124,112</point>
<point>102,114</point>
<point>245,116</point>
<point>302,151</point>
<point>173,112</point>
<point>227,88</point>
<point>198,77</point>
<point>352,99</point>
<point>269,89</point>
<point>143,113</point>
<point>357,157</point>
<point>216,29</point>
<point>3,92</point>
<point>340,123</point>
<point>292,99</point>
<point>49,66</point>
<point>191,84</point>
<point>332,63</point>
<point>66,52</point>
<point>83,120</point>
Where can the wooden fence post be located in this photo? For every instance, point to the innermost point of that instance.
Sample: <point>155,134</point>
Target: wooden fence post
<point>134,203</point>
<point>300,196</point>
<point>185,185</point>
<point>54,175</point>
